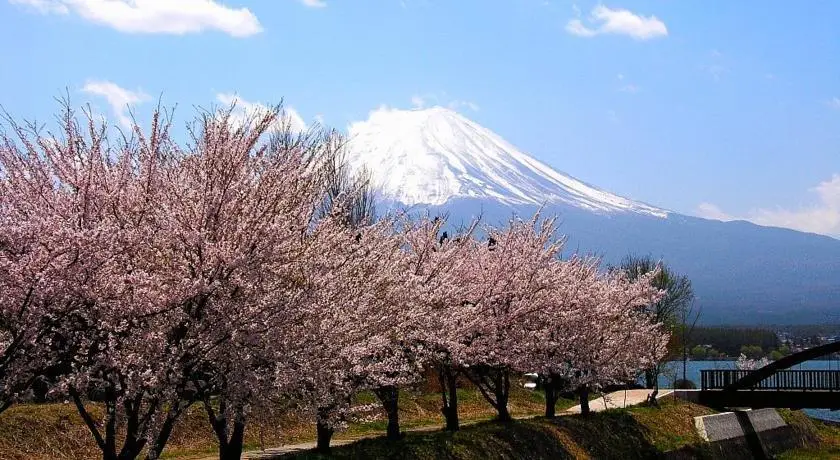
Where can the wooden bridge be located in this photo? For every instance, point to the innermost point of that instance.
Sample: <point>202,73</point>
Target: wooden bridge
<point>775,385</point>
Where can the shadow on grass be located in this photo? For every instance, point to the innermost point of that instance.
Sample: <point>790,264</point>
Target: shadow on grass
<point>608,435</point>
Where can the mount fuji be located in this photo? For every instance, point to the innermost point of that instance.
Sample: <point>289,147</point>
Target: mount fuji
<point>438,160</point>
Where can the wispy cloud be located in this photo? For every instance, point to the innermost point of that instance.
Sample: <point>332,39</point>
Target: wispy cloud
<point>419,101</point>
<point>604,20</point>
<point>43,6</point>
<point>716,71</point>
<point>156,16</point>
<point>821,217</point>
<point>244,110</point>
<point>715,68</point>
<point>834,103</point>
<point>626,86</point>
<point>119,99</point>
<point>458,104</point>
<point>314,3</point>
<point>713,211</point>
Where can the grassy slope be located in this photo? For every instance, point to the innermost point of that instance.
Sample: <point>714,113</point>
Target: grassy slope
<point>620,434</point>
<point>824,439</point>
<point>55,431</point>
<point>634,433</point>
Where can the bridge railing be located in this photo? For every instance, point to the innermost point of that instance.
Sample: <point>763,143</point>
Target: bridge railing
<point>822,380</point>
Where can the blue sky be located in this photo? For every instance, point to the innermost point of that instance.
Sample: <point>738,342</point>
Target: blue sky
<point>714,108</point>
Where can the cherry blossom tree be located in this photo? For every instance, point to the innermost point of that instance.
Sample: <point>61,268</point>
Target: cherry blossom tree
<point>561,325</point>
<point>345,317</point>
<point>95,206</point>
<point>51,250</point>
<point>617,337</point>
<point>436,264</point>
<point>246,267</point>
<point>744,363</point>
<point>176,266</point>
<point>241,212</point>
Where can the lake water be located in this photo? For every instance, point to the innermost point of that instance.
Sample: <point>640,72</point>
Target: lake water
<point>674,370</point>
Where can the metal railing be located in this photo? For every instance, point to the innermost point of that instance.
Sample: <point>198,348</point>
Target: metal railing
<point>820,380</point>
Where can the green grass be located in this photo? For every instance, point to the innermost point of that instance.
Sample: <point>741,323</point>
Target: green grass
<point>820,440</point>
<point>634,433</point>
<point>55,431</point>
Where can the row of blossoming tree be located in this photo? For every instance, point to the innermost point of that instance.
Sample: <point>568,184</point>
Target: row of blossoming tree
<point>245,270</point>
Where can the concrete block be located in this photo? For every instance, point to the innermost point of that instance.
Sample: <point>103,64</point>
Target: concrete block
<point>728,425</point>
<point>757,433</point>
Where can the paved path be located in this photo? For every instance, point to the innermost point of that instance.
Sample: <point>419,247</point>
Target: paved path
<point>613,400</point>
<point>618,399</point>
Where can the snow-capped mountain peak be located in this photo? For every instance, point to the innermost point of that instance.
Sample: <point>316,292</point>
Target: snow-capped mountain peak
<point>429,156</point>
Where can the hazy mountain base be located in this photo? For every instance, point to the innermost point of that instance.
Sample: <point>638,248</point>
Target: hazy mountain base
<point>742,273</point>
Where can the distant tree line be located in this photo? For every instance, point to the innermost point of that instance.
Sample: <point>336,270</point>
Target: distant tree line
<point>729,341</point>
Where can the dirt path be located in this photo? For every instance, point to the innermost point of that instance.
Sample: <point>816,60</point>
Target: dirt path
<point>619,399</point>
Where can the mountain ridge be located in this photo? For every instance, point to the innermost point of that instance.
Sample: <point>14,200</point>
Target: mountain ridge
<point>743,273</point>
<point>429,156</point>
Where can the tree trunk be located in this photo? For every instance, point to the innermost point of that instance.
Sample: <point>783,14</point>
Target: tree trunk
<point>650,378</point>
<point>494,385</point>
<point>232,449</point>
<point>389,396</point>
<point>502,391</point>
<point>652,396</point>
<point>550,387</point>
<point>583,392</point>
<point>324,436</point>
<point>162,438</point>
<point>230,442</point>
<point>132,447</point>
<point>449,393</point>
<point>163,435</point>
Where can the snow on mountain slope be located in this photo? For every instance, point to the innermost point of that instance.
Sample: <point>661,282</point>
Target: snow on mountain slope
<point>430,156</point>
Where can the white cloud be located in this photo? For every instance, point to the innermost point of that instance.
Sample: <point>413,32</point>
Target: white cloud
<point>314,3</point>
<point>822,217</point>
<point>156,16</point>
<point>244,109</point>
<point>834,102</point>
<point>120,99</point>
<point>619,22</point>
<point>712,211</point>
